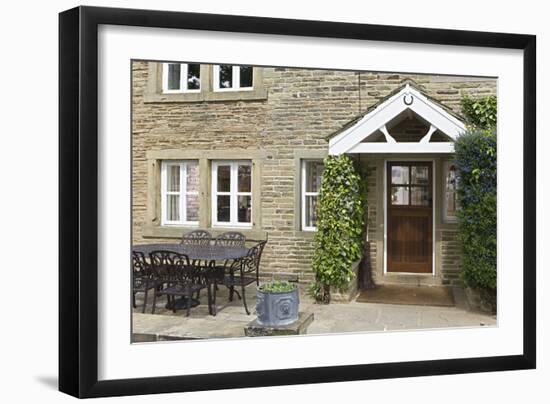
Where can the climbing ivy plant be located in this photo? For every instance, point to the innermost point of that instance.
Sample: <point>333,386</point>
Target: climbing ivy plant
<point>340,222</point>
<point>476,162</point>
<point>480,112</point>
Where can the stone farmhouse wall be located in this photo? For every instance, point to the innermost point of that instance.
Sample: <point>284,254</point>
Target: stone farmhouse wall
<point>301,109</point>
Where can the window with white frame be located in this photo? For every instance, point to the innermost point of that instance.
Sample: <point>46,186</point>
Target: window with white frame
<point>232,78</point>
<point>180,193</point>
<point>232,193</point>
<point>450,206</point>
<point>312,175</point>
<point>181,78</point>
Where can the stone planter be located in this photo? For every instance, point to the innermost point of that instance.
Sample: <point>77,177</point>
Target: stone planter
<point>479,301</point>
<point>277,309</point>
<point>347,295</point>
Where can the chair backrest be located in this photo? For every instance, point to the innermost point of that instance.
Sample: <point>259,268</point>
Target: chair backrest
<point>171,266</point>
<point>196,237</point>
<point>231,239</point>
<point>252,260</point>
<point>140,267</point>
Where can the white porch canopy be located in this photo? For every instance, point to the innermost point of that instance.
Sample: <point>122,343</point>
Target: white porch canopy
<point>408,100</point>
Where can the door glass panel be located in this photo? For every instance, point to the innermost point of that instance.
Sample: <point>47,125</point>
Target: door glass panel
<point>224,178</point>
<point>399,195</point>
<point>420,175</point>
<point>400,175</point>
<point>420,196</point>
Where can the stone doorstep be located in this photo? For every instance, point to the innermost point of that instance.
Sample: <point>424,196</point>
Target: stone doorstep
<point>255,329</point>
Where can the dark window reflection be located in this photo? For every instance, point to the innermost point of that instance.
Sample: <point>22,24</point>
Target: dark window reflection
<point>193,77</point>
<point>246,76</point>
<point>244,209</point>
<point>223,208</point>
<point>244,178</point>
<point>224,178</point>
<point>226,76</point>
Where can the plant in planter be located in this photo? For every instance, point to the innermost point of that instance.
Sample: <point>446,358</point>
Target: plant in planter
<point>340,226</point>
<point>476,162</point>
<point>277,303</point>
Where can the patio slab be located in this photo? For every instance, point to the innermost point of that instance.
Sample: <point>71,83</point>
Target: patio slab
<point>255,329</point>
<point>231,318</point>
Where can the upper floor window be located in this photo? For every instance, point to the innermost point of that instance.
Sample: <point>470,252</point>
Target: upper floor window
<point>450,203</point>
<point>232,78</point>
<point>180,192</point>
<point>181,77</point>
<point>195,82</point>
<point>312,175</point>
<point>232,193</point>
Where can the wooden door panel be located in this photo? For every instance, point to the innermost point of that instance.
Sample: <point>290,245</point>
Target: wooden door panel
<point>409,232</point>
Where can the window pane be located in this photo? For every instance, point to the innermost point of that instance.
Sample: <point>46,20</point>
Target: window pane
<point>420,196</point>
<point>450,192</point>
<point>226,76</point>
<point>224,178</point>
<point>193,77</point>
<point>400,174</point>
<point>192,177</point>
<point>223,208</point>
<point>244,209</point>
<point>174,74</point>
<point>399,196</point>
<point>420,175</point>
<point>311,211</point>
<point>192,208</point>
<point>245,179</point>
<point>173,207</point>
<point>314,175</point>
<point>246,76</point>
<point>173,178</point>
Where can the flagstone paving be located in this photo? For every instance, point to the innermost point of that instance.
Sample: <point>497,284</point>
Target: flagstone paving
<point>332,318</point>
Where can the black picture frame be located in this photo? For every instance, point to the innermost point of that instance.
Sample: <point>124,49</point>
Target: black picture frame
<point>78,201</point>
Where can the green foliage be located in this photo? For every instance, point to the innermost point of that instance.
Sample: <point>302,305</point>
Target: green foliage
<point>278,287</point>
<point>340,222</point>
<point>481,112</point>
<point>475,158</point>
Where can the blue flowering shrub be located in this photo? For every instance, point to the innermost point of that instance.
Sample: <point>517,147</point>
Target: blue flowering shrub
<point>476,162</point>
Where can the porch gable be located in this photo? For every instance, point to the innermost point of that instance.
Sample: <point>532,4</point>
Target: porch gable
<point>407,100</point>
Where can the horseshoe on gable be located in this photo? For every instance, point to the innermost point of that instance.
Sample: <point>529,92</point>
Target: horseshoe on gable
<point>405,99</point>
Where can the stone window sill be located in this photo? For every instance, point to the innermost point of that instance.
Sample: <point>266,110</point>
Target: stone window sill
<point>308,235</point>
<point>207,96</point>
<point>176,232</point>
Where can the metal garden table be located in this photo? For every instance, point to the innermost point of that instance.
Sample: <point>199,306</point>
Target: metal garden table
<point>207,253</point>
<point>197,252</point>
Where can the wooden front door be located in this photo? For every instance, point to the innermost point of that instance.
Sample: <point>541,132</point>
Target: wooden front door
<point>410,214</point>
